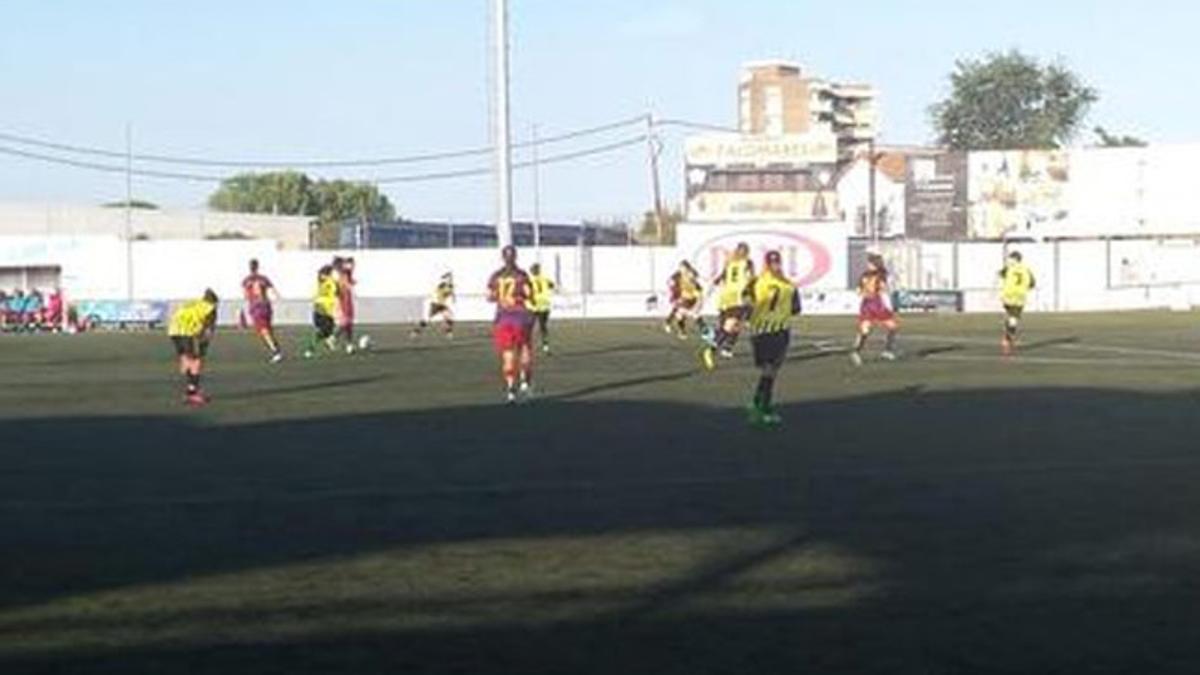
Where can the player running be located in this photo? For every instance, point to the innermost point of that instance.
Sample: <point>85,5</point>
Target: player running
<point>258,292</point>
<point>775,300</point>
<point>1016,282</point>
<point>441,304</point>
<point>539,303</point>
<point>733,305</point>
<point>191,329</point>
<point>344,275</point>
<point>325,307</point>
<point>686,295</point>
<point>874,310</point>
<point>509,289</point>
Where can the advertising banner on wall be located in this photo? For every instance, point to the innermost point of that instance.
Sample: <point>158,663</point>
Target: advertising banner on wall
<point>935,197</point>
<point>725,150</point>
<point>727,206</point>
<point>1017,193</point>
<point>814,256</point>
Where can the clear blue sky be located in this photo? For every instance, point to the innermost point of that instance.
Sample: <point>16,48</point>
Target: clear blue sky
<point>366,78</point>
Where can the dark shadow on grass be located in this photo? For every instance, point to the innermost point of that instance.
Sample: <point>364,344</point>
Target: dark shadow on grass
<point>618,385</point>
<point>927,352</point>
<point>993,531</point>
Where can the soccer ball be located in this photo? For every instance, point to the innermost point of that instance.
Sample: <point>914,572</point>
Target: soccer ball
<point>364,342</point>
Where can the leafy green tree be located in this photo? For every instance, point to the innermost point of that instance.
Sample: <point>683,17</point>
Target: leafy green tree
<point>648,232</point>
<point>278,192</point>
<point>1008,101</point>
<point>1107,140</point>
<point>329,202</point>
<point>133,204</point>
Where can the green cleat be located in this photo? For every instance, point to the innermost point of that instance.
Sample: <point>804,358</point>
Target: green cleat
<point>708,357</point>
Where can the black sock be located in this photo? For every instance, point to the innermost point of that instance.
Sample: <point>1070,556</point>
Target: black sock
<point>763,394</point>
<point>859,342</point>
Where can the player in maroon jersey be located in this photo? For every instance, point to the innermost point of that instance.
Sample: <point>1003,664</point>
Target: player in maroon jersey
<point>344,274</point>
<point>875,309</point>
<point>259,291</point>
<point>509,288</point>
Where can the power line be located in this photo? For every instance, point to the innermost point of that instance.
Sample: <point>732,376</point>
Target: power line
<point>384,161</point>
<point>551,159</point>
<point>109,168</point>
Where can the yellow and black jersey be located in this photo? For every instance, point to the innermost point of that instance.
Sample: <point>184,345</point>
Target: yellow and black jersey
<point>734,283</point>
<point>1016,280</point>
<point>443,295</point>
<point>326,298</point>
<point>192,319</point>
<point>542,288</point>
<point>775,300</point>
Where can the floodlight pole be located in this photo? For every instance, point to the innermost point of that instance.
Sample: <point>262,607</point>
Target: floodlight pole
<point>129,210</point>
<point>537,197</point>
<point>503,139</point>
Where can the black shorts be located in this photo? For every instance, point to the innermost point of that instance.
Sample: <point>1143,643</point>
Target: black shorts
<point>189,346</point>
<point>324,324</point>
<point>770,349</point>
<point>436,309</point>
<point>1015,311</point>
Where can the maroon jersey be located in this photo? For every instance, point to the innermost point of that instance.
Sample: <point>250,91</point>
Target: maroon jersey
<point>510,289</point>
<point>255,288</point>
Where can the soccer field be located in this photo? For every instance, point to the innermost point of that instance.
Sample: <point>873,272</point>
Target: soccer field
<point>952,512</point>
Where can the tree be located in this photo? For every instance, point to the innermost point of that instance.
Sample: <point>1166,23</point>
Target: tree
<point>329,202</point>
<point>1107,140</point>
<point>279,192</point>
<point>133,204</point>
<point>649,229</point>
<point>1011,101</point>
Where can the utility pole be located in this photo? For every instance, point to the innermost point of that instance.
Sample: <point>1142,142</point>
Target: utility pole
<point>537,197</point>
<point>872,225</point>
<point>503,134</point>
<point>652,151</point>
<point>129,210</point>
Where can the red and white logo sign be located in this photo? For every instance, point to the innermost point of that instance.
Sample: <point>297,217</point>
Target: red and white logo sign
<point>806,261</point>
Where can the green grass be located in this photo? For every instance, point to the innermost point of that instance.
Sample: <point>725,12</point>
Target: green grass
<point>952,512</point>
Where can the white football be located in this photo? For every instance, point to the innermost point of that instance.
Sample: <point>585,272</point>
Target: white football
<point>364,342</point>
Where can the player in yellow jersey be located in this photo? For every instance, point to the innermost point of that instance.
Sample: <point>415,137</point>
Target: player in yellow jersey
<point>774,301</point>
<point>191,329</point>
<point>325,309</point>
<point>1016,281</point>
<point>441,304</point>
<point>686,297</point>
<point>732,286</point>
<point>542,291</point>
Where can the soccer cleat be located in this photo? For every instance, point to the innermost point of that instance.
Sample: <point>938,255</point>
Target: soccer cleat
<point>667,328</point>
<point>350,350</point>
<point>708,358</point>
<point>525,392</point>
<point>726,353</point>
<point>856,359</point>
<point>195,400</point>
<point>770,418</point>
<point>888,356</point>
<point>277,357</point>
<point>510,396</point>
